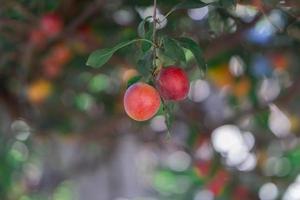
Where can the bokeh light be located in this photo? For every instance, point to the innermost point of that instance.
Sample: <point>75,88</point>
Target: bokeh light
<point>199,90</point>
<point>269,89</point>
<point>179,161</point>
<point>204,195</point>
<point>158,123</point>
<point>245,12</point>
<point>267,27</point>
<point>123,17</point>
<point>21,129</point>
<point>279,123</point>
<point>268,191</point>
<point>234,146</point>
<point>236,65</point>
<point>198,13</point>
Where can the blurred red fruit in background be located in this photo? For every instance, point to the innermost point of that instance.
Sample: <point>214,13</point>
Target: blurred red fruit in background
<point>51,24</point>
<point>219,181</point>
<point>61,53</point>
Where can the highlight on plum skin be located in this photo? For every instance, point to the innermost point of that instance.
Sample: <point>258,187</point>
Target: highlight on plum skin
<point>172,83</point>
<point>141,101</point>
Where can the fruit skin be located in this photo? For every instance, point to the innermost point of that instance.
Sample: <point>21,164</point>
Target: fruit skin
<point>141,101</point>
<point>172,83</point>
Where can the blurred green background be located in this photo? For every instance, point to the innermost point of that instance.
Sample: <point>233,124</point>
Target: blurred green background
<point>64,134</point>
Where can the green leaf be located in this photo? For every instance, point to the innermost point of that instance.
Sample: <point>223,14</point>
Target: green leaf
<point>168,108</point>
<point>173,50</point>
<point>141,27</point>
<point>197,52</point>
<point>144,64</point>
<point>163,59</point>
<point>148,35</point>
<point>188,4</point>
<point>133,80</point>
<point>99,57</point>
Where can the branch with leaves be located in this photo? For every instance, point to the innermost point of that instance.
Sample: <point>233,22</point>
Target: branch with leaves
<point>158,51</point>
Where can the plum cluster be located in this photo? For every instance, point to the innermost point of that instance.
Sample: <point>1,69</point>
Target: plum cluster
<point>142,101</point>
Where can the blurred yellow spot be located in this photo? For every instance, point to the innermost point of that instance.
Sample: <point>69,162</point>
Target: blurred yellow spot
<point>221,76</point>
<point>262,157</point>
<point>294,123</point>
<point>39,90</point>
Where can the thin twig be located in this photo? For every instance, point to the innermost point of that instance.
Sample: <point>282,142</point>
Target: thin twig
<point>168,13</point>
<point>154,34</point>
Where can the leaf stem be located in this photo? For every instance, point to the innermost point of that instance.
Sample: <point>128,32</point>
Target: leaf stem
<point>136,40</point>
<point>154,19</point>
<point>145,40</point>
<point>169,13</point>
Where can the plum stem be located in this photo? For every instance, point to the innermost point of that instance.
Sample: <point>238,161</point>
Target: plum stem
<point>154,20</point>
<point>154,33</point>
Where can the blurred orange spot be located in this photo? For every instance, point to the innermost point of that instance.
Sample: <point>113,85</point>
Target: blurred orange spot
<point>61,53</point>
<point>221,76</point>
<point>38,91</point>
<point>52,64</point>
<point>279,61</point>
<point>241,88</point>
